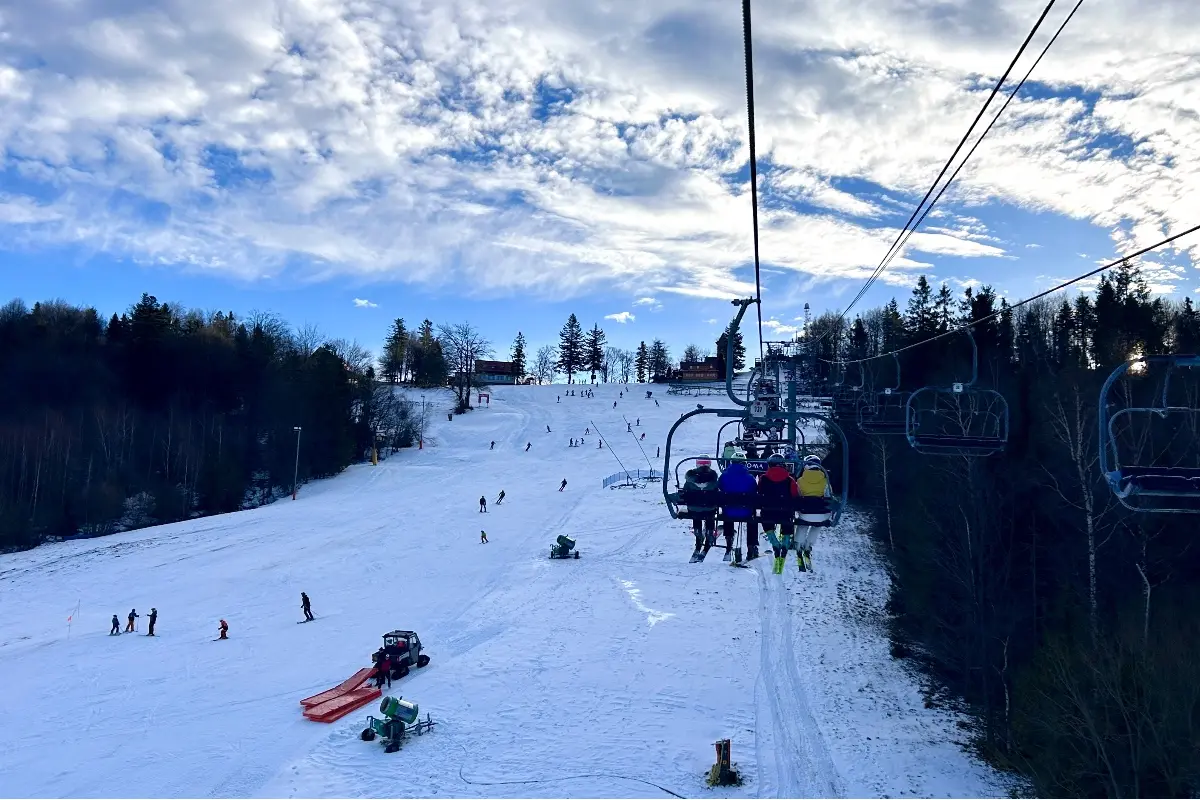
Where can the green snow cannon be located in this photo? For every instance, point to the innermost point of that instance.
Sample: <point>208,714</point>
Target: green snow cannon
<point>400,720</point>
<point>564,547</point>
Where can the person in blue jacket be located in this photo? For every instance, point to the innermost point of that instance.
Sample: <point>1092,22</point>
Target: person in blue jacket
<point>736,479</point>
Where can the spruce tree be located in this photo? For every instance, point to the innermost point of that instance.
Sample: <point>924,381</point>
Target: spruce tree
<point>395,351</point>
<point>739,350</point>
<point>594,350</point>
<point>570,348</point>
<point>642,363</point>
<point>660,359</point>
<point>518,356</point>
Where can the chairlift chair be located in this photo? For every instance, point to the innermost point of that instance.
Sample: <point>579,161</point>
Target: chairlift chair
<point>959,420</point>
<point>1148,487</point>
<point>884,413</point>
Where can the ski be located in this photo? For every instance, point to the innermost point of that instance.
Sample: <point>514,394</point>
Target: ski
<point>696,556</point>
<point>727,556</point>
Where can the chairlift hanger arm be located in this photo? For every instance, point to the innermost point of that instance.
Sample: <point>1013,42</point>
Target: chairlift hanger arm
<point>729,355</point>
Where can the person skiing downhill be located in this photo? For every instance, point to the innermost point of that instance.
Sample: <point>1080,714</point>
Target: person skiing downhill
<point>224,629</point>
<point>563,485</point>
<point>548,429</point>
<point>132,616</point>
<point>482,504</point>
<point>500,499</point>
<point>306,607</point>
<point>116,628</point>
<point>483,537</point>
<point>527,446</point>
<point>493,447</point>
<point>153,619</point>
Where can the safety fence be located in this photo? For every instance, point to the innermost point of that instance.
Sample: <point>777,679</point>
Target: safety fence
<point>631,477</point>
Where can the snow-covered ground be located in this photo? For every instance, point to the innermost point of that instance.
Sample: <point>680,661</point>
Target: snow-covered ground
<point>610,675</point>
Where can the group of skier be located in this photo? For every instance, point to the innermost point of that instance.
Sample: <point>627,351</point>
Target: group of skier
<point>222,626</point>
<point>131,623</point>
<point>776,483</point>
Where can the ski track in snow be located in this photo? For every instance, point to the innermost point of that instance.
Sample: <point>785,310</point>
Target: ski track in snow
<point>577,676</point>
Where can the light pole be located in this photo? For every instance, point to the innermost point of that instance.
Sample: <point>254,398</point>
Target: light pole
<point>421,431</point>
<point>296,468</point>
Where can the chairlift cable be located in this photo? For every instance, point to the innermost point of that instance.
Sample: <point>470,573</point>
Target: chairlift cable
<point>1015,306</point>
<point>979,141</point>
<point>896,245</point>
<point>753,166</point>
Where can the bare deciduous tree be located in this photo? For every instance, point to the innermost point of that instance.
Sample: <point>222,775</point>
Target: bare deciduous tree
<point>545,363</point>
<point>462,345</point>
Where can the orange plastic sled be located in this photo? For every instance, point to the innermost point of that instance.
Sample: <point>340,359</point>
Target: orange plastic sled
<point>342,705</point>
<point>353,682</point>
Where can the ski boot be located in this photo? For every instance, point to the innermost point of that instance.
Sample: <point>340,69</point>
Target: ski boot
<point>778,565</point>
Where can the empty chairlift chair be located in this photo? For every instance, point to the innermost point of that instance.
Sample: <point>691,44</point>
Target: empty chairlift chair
<point>884,413</point>
<point>1150,450</point>
<point>958,420</point>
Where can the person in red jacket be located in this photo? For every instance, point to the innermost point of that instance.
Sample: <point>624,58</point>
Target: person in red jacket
<point>778,484</point>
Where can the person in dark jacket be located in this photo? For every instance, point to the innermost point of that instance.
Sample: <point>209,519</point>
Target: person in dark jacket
<point>702,478</point>
<point>778,484</point>
<point>116,628</point>
<point>224,630</point>
<point>500,499</point>
<point>306,607</point>
<point>562,485</point>
<point>482,504</point>
<point>133,614</point>
<point>736,479</point>
<point>153,619</point>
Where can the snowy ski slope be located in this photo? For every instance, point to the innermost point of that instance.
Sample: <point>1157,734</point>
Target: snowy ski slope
<point>611,675</point>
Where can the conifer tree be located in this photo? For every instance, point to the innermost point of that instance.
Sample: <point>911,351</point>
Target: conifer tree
<point>570,348</point>
<point>642,363</point>
<point>518,356</point>
<point>395,351</point>
<point>594,350</point>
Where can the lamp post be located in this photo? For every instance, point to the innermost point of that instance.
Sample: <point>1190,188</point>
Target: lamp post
<point>296,468</point>
<point>421,430</point>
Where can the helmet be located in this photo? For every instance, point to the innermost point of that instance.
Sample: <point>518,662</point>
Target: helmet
<point>775,458</point>
<point>812,461</point>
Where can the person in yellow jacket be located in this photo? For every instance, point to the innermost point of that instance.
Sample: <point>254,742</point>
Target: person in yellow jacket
<point>815,508</point>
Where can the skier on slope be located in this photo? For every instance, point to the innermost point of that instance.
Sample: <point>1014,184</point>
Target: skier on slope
<point>152,619</point>
<point>548,429</point>
<point>493,447</point>
<point>132,616</point>
<point>527,446</point>
<point>563,485</point>
<point>306,607</point>
<point>116,628</point>
<point>500,499</point>
<point>483,537</point>
<point>697,482</point>
<point>482,504</point>
<point>224,629</point>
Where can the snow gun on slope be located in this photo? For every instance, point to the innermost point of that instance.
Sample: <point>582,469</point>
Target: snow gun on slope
<point>564,547</point>
<point>401,719</point>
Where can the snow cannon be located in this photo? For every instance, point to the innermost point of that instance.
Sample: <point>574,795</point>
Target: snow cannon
<point>400,720</point>
<point>563,547</point>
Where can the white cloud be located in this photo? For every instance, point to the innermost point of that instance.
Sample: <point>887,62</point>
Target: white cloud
<point>402,140</point>
<point>622,317</point>
<point>360,303</point>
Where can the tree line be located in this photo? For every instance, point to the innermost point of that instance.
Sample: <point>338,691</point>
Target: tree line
<point>162,414</point>
<point>1062,622</point>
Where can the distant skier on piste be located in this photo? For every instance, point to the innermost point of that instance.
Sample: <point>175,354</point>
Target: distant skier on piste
<point>152,619</point>
<point>563,485</point>
<point>500,499</point>
<point>224,630</point>
<point>493,447</point>
<point>483,537</point>
<point>527,446</point>
<point>548,429</point>
<point>306,607</point>
<point>482,504</point>
<point>132,616</point>
<point>116,628</point>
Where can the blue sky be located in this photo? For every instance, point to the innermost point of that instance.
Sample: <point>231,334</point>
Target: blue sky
<point>509,163</point>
